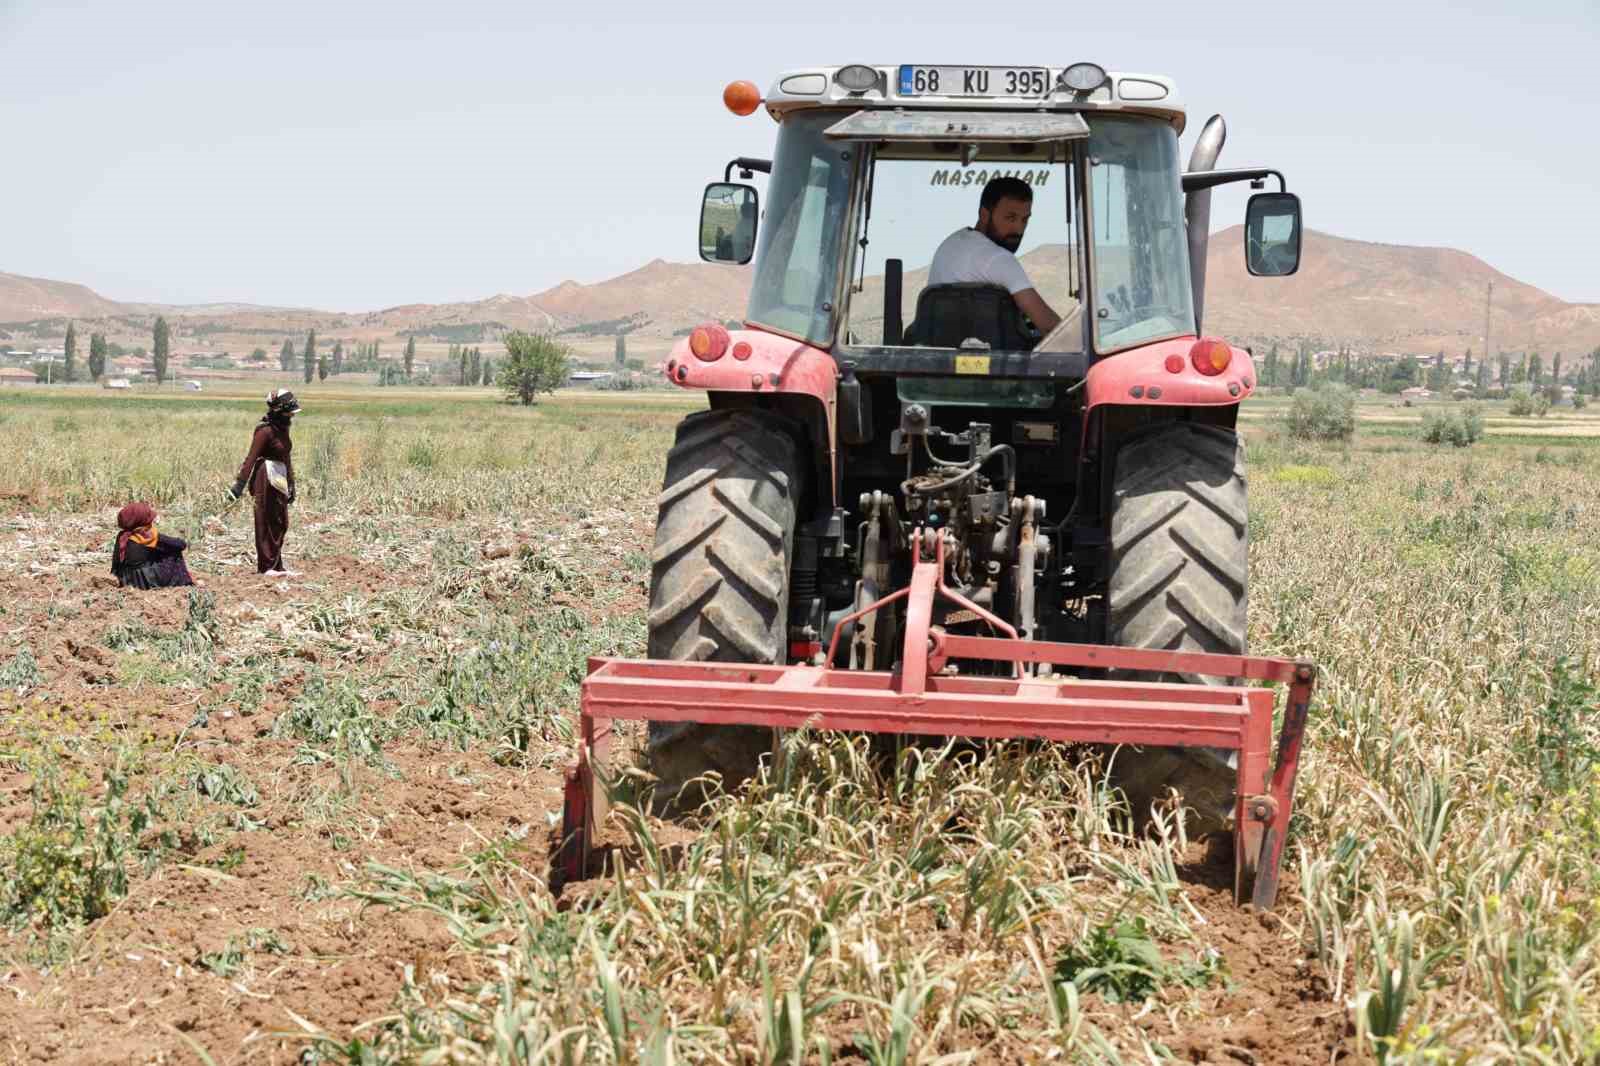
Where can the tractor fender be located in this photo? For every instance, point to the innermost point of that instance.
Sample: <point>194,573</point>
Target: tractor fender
<point>1139,377</point>
<point>770,371</point>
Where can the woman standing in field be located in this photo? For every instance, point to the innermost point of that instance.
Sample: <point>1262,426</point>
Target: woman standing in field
<point>269,472</point>
<point>143,558</point>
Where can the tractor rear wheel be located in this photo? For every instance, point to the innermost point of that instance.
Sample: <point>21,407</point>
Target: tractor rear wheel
<point>1179,581</point>
<point>719,579</point>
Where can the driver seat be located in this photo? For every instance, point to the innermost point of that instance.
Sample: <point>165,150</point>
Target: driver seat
<point>950,314</point>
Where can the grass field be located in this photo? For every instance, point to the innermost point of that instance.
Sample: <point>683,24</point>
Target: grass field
<point>309,820</point>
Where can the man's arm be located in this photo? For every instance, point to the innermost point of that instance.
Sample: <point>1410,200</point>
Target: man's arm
<point>1008,272</point>
<point>1033,305</point>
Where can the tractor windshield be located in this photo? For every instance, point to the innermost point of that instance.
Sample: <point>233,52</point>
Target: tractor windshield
<point>918,195</point>
<point>1141,255</point>
<point>922,198</point>
<point>797,263</point>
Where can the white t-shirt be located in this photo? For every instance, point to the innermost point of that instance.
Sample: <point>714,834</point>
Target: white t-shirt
<point>967,257</point>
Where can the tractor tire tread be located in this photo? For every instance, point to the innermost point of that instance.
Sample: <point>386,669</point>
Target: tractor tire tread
<point>719,575</point>
<point>1179,581</point>
<point>1157,532</point>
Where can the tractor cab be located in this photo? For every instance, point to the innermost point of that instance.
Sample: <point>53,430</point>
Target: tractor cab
<point>879,241</point>
<point>876,167</point>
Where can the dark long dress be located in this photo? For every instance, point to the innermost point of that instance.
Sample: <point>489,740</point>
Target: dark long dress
<point>161,567</point>
<point>271,441</point>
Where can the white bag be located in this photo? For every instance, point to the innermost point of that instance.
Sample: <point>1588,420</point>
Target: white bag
<point>277,475</point>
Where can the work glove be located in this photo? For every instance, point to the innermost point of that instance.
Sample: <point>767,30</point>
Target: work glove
<point>236,490</point>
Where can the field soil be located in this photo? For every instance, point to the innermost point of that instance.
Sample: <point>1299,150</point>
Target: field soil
<point>139,980</point>
<point>143,983</point>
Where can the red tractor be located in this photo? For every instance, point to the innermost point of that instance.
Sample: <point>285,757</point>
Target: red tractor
<point>943,488</point>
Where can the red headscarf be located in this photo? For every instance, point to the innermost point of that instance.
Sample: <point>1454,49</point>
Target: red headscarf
<point>138,524</point>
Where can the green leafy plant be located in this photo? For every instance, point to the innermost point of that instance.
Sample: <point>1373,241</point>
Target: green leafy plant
<point>1325,412</point>
<point>1381,1008</point>
<point>534,363</point>
<point>22,672</point>
<point>70,862</point>
<point>1527,401</point>
<point>1123,964</point>
<point>1563,748</point>
<point>226,784</point>
<point>1458,426</point>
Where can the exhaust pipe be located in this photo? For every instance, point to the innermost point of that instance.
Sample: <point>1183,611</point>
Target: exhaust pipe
<point>1197,208</point>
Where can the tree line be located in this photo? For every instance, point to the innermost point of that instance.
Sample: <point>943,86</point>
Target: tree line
<point>1476,376</point>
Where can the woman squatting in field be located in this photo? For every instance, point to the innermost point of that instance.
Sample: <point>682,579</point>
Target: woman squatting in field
<point>143,558</point>
<point>268,469</point>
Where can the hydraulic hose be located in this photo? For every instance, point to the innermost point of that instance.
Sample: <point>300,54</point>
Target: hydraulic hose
<point>964,473</point>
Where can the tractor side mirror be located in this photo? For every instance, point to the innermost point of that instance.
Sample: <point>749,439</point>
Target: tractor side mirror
<point>728,223</point>
<point>1272,234</point>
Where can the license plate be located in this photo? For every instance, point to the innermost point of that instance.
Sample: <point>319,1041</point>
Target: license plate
<point>974,81</point>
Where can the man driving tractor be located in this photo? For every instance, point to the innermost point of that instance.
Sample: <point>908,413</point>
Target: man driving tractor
<point>986,253</point>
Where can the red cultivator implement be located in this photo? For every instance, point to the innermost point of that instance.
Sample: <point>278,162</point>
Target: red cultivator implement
<point>921,698</point>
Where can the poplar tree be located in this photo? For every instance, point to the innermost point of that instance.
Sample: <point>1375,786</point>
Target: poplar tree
<point>69,362</point>
<point>161,348</point>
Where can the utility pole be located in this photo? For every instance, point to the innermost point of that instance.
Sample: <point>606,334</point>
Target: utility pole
<point>1488,306</point>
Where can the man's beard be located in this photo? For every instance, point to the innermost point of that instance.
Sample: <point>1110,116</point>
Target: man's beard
<point>1010,244</point>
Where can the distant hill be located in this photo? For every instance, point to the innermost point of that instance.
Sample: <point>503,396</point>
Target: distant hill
<point>1389,296</point>
<point>1377,296</point>
<point>23,299</point>
<point>658,300</point>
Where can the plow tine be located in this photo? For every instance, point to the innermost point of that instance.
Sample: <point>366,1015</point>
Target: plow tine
<point>585,802</point>
<point>572,860</point>
<point>1281,790</point>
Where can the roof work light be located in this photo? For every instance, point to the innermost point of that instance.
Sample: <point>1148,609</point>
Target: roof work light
<point>1084,77</point>
<point>856,78</point>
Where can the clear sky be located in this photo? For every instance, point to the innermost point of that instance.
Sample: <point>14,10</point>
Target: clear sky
<point>353,156</point>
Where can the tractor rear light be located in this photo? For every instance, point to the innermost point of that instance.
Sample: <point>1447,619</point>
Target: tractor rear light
<point>741,97</point>
<point>742,350</point>
<point>1210,356</point>
<point>708,342</point>
<point>1174,364</point>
